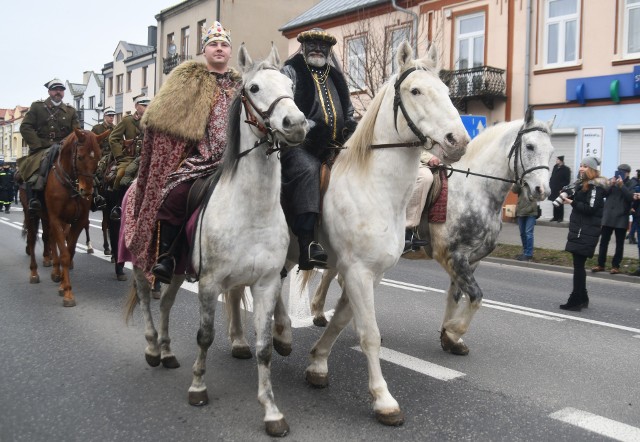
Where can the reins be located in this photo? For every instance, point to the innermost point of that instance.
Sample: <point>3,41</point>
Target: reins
<point>518,156</point>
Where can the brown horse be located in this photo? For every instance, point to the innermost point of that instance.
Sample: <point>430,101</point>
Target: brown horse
<point>67,202</point>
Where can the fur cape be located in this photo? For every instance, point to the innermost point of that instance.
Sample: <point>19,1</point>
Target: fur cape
<point>183,104</point>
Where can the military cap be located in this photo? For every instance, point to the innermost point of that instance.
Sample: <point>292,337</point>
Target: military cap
<point>109,111</point>
<point>142,100</point>
<point>54,83</point>
<point>316,34</point>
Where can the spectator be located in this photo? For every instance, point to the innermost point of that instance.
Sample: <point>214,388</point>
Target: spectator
<point>615,218</point>
<point>635,207</point>
<point>635,216</point>
<point>526,213</point>
<point>560,177</point>
<point>584,228</point>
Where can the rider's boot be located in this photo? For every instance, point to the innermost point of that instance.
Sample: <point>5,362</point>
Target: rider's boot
<point>166,263</point>
<point>33,197</point>
<point>312,254</point>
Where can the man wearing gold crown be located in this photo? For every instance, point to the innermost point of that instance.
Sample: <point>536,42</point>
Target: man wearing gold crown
<point>322,94</point>
<point>185,137</point>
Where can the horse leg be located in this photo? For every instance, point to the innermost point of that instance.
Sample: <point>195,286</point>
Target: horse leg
<point>141,290</point>
<point>67,252</point>
<point>89,245</point>
<point>239,346</point>
<point>32,234</point>
<point>265,293</point>
<point>460,309</point>
<point>167,299</point>
<point>55,231</point>
<point>282,335</point>
<point>46,243</point>
<point>208,291</point>
<point>319,297</point>
<point>359,284</point>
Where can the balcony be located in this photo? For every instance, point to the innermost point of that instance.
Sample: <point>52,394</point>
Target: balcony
<point>484,83</point>
<point>169,63</point>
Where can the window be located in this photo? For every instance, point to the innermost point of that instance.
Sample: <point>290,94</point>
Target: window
<point>110,86</point>
<point>144,76</point>
<point>356,63</point>
<point>92,102</point>
<point>129,81</point>
<point>631,29</point>
<point>184,43</point>
<point>561,32</point>
<point>394,38</point>
<point>201,31</point>
<point>119,84</point>
<point>171,46</point>
<point>470,41</point>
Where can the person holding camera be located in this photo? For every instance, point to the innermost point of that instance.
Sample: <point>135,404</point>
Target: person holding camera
<point>615,218</point>
<point>584,227</point>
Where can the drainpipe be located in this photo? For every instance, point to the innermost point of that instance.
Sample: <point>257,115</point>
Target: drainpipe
<point>527,60</point>
<point>218,10</point>
<point>414,44</point>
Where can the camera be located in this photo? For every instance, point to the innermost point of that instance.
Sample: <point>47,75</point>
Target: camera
<point>617,174</point>
<point>566,192</point>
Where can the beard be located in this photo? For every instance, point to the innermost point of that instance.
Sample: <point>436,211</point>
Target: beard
<point>317,61</point>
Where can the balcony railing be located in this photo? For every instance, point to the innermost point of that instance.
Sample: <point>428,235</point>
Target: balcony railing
<point>169,63</point>
<point>483,83</point>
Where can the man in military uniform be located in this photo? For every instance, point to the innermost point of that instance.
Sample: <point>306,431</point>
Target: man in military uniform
<point>107,124</point>
<point>125,143</point>
<point>44,126</point>
<point>322,94</point>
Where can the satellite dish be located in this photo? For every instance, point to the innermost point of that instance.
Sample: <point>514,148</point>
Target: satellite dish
<point>172,49</point>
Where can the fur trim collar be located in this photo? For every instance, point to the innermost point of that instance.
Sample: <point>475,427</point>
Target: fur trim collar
<point>182,106</point>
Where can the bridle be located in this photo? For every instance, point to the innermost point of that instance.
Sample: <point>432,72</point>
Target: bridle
<point>514,153</point>
<point>71,182</point>
<point>398,104</point>
<point>264,127</point>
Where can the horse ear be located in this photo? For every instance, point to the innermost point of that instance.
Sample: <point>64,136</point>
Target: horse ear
<point>528,115</point>
<point>550,122</point>
<point>245,63</point>
<point>432,57</point>
<point>274,56</point>
<point>404,54</point>
<point>79,134</point>
<point>103,135</point>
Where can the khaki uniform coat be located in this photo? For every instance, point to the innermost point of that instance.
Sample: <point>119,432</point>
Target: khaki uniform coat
<point>127,129</point>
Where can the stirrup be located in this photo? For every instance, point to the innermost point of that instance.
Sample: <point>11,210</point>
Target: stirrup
<point>34,205</point>
<point>317,257</point>
<point>99,202</point>
<point>115,214</point>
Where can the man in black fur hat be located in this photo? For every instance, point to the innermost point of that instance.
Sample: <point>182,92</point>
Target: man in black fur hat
<point>322,94</point>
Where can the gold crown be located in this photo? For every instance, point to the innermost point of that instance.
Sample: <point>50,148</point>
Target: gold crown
<point>215,33</point>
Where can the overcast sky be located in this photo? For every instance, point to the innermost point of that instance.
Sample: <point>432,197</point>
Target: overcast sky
<point>44,39</point>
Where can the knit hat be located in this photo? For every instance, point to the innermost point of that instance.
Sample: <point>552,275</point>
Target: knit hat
<point>591,162</point>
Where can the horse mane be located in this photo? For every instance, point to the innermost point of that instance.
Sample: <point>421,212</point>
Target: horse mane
<point>231,153</point>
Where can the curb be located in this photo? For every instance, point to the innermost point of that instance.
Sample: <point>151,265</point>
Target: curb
<point>562,269</point>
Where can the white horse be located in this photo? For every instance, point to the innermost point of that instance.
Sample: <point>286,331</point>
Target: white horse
<point>364,208</point>
<point>519,151</point>
<point>242,235</point>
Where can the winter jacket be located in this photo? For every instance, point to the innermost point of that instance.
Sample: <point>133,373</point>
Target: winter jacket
<point>618,205</point>
<point>524,207</point>
<point>586,218</point>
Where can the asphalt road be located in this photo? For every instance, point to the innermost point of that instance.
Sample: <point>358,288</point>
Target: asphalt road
<point>534,372</point>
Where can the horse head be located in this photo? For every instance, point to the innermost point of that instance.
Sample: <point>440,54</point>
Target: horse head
<point>532,153</point>
<point>85,154</point>
<point>268,98</point>
<point>427,110</point>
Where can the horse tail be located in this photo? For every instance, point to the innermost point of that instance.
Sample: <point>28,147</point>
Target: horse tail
<point>132,301</point>
<point>307,276</point>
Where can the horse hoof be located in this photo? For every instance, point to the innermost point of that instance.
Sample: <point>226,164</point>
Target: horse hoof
<point>155,294</point>
<point>278,428</point>
<point>455,348</point>
<point>34,279</point>
<point>283,348</point>
<point>317,380</point>
<point>320,321</point>
<point>153,361</point>
<point>56,278</point>
<point>46,263</point>
<point>394,419</point>
<point>198,398</point>
<point>170,362</point>
<point>68,302</point>
<point>241,352</point>
<point>121,277</point>
<point>89,251</point>
<point>107,252</point>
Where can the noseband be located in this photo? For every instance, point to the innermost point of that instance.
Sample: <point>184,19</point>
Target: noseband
<point>265,126</point>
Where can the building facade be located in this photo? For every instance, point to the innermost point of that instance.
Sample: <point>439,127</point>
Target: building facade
<point>12,146</point>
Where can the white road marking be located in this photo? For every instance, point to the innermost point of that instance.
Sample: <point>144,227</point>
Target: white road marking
<point>598,424</point>
<point>418,365</point>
